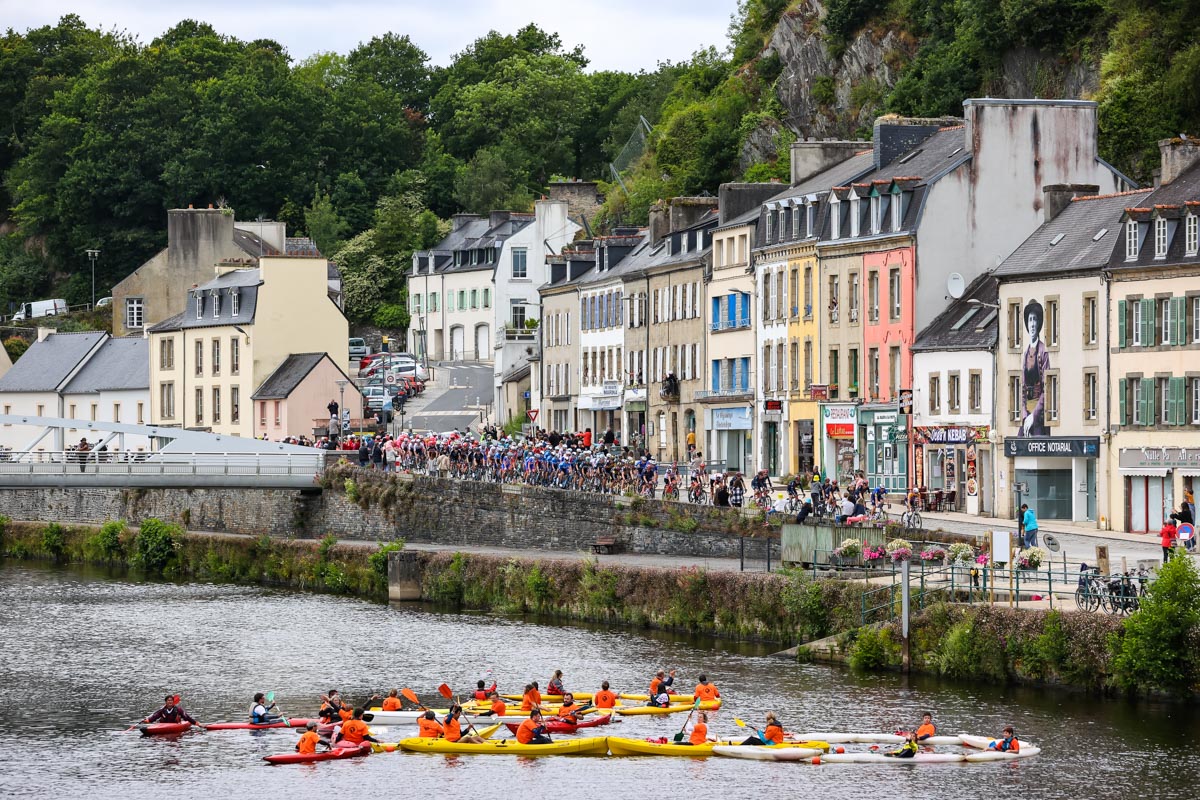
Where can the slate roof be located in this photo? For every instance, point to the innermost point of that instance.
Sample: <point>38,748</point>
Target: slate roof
<point>841,174</point>
<point>46,364</point>
<point>245,281</point>
<point>291,372</point>
<point>475,233</point>
<point>119,364</point>
<point>1180,197</point>
<point>1081,246</point>
<point>964,325</point>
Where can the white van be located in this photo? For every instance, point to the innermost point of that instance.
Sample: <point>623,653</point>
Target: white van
<point>41,308</point>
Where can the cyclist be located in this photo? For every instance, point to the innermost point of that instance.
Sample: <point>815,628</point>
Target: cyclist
<point>671,483</point>
<point>761,484</point>
<point>878,498</point>
<point>793,488</point>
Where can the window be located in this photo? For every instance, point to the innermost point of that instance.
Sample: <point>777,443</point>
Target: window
<point>1091,394</point>
<point>262,413</point>
<point>1091,324</point>
<point>794,292</point>
<point>894,291</point>
<point>166,353</point>
<point>873,372</point>
<point>1051,323</point>
<point>518,316</point>
<point>216,357</point>
<point>235,404</point>
<point>835,219</point>
<point>1051,397</point>
<point>833,298</point>
<point>808,290</point>
<point>462,299</point>
<point>765,298</point>
<point>433,301</point>
<point>474,298</point>
<point>199,406</point>
<point>141,413</point>
<point>199,358</point>
<point>873,297</point>
<point>276,408</point>
<point>1014,325</point>
<point>166,400</point>
<point>1137,323</point>
<point>1166,415</point>
<point>794,361</point>
<point>854,215</point>
<point>808,363</point>
<point>835,374</point>
<point>770,225</point>
<point>1014,398</point>
<point>520,258</point>
<point>116,412</point>
<point>853,299</point>
<point>896,210</point>
<point>235,355</point>
<point>235,301</point>
<point>487,297</point>
<point>216,406</point>
<point>1195,319</point>
<point>1195,415</point>
<point>853,376</point>
<point>1164,309</point>
<point>216,303</point>
<point>795,224</point>
<point>199,305</point>
<point>780,294</point>
<point>1160,238</point>
<point>768,368</point>
<point>952,379</point>
<point>935,393</point>
<point>894,371</point>
<point>133,312</point>
<point>71,415</point>
<point>1191,236</point>
<point>1139,401</point>
<point>1131,240</point>
<point>876,217</point>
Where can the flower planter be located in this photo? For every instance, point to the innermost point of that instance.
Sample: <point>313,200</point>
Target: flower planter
<point>845,561</point>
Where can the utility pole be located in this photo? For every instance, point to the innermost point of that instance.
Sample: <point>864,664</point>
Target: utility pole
<point>92,256</point>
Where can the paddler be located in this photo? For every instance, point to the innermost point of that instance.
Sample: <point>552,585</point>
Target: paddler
<point>354,730</point>
<point>569,710</point>
<point>605,698</point>
<point>699,733</point>
<point>906,750</point>
<point>772,732</point>
<point>428,726</point>
<point>556,685</point>
<point>170,712</point>
<point>498,707</point>
<point>532,698</point>
<point>533,730</point>
<point>1007,743</point>
<point>705,690</point>
<point>392,701</point>
<point>452,728</point>
<point>260,714</point>
<point>337,710</point>
<point>482,694</point>
<point>926,728</point>
<point>309,740</point>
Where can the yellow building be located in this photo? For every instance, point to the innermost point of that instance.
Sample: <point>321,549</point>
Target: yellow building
<point>804,347</point>
<point>236,330</point>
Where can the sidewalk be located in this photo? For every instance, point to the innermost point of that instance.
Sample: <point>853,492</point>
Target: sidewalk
<point>1044,526</point>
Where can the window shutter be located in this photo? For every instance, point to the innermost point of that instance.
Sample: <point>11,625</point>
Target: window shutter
<point>1122,391</point>
<point>1149,329</point>
<point>1147,404</point>
<point>745,374</point>
<point>1121,325</point>
<point>731,308</point>
<point>1179,323</point>
<point>716,310</point>
<point>1178,400</point>
<point>716,375</point>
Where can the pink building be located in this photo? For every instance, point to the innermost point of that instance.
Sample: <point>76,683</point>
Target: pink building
<point>888,287</point>
<point>292,400</point>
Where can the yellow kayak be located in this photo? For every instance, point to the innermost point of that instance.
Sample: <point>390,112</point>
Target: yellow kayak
<point>550,698</point>
<point>595,746</point>
<point>640,747</point>
<point>391,747</point>
<point>638,711</point>
<point>675,698</point>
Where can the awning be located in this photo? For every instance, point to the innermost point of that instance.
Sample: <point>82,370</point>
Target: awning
<point>1189,473</point>
<point>1144,472</point>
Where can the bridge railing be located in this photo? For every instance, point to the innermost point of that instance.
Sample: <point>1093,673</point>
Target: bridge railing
<point>97,462</point>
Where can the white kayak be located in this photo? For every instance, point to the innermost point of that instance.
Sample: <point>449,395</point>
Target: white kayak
<point>880,758</point>
<point>872,738</point>
<point>756,753</point>
<point>981,743</point>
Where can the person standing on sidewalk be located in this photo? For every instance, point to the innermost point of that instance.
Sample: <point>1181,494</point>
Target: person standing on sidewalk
<point>1030,524</point>
<point>1169,538</point>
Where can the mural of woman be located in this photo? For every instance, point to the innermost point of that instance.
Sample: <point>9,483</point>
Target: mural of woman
<point>1033,373</point>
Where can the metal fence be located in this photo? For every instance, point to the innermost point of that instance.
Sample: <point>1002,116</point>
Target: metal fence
<point>101,467</point>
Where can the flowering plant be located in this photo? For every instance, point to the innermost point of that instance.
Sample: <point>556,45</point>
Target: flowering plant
<point>982,558</point>
<point>874,553</point>
<point>961,551</point>
<point>849,548</point>
<point>1031,558</point>
<point>933,554</point>
<point>896,544</point>
<point>901,554</point>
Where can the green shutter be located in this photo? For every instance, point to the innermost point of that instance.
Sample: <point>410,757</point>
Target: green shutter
<point>1146,412</point>
<point>1178,401</point>
<point>1122,394</point>
<point>1179,321</point>
<point>1149,329</point>
<point>1121,323</point>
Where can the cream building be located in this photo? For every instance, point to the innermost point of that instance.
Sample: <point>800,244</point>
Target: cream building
<point>560,362</point>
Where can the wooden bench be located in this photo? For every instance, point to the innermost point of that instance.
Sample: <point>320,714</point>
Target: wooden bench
<point>606,545</point>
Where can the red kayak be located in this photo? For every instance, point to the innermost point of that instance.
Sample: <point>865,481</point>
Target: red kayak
<point>164,728</point>
<point>559,726</point>
<point>250,726</point>
<point>342,749</point>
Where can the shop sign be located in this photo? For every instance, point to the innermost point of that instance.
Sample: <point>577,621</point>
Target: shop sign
<point>840,421</point>
<point>1055,446</point>
<point>611,388</point>
<point>635,405</point>
<point>905,401</point>
<point>819,391</point>
<point>731,419</point>
<point>950,434</point>
<point>772,405</point>
<point>885,417</point>
<point>1168,457</point>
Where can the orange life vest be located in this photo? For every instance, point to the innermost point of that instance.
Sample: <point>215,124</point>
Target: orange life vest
<point>429,728</point>
<point>699,733</point>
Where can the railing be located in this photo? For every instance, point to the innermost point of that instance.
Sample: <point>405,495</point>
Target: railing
<point>724,391</point>
<point>726,324</point>
<point>29,466</point>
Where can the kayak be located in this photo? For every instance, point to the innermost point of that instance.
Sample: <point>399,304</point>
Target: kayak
<point>595,746</point>
<point>559,726</point>
<point>640,747</point>
<point>340,750</point>
<point>411,717</point>
<point>767,753</point>
<point>982,742</point>
<point>874,738</point>
<point>250,726</point>
<point>391,747</point>
<point>164,728</point>
<point>550,698</point>
<point>645,698</point>
<point>880,758</point>
<point>638,711</point>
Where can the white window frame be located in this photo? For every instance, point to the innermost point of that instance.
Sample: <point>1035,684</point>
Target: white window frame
<point>897,204</point>
<point>1191,238</point>
<point>1137,323</point>
<point>1196,319</point>
<point>135,313</point>
<point>1163,386</point>
<point>873,296</point>
<point>1131,240</point>
<point>770,225</point>
<point>894,291</point>
<point>1164,311</point>
<point>1136,395</point>
<point>1160,237</point>
<point>876,217</point>
<point>1196,401</point>
<point>216,303</point>
<point>235,301</point>
<point>854,212</point>
<point>522,263</point>
<point>199,305</point>
<point>835,218</point>
<point>1091,395</point>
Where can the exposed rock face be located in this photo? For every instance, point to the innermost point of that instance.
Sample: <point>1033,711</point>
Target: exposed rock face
<point>1028,72</point>
<point>760,145</point>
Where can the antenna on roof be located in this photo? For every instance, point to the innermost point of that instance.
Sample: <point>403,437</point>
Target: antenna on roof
<point>955,285</point>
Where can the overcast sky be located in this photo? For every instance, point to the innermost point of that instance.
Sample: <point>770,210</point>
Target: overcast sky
<point>616,34</point>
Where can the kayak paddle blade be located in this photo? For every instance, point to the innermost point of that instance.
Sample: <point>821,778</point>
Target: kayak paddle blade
<point>270,697</point>
<point>410,696</point>
<point>445,692</point>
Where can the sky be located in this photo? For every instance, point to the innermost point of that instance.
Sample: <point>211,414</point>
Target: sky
<point>616,34</point>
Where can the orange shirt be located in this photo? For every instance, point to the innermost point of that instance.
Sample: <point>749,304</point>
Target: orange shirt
<point>654,690</point>
<point>567,713</point>
<point>604,699</point>
<point>391,704</point>
<point>525,732</point>
<point>308,743</point>
<point>699,733</point>
<point>453,730</point>
<point>773,733</point>
<point>706,691</point>
<point>353,730</point>
<point>346,714</point>
<point>430,728</point>
<point>530,699</point>
<point>926,730</point>
<point>499,709</point>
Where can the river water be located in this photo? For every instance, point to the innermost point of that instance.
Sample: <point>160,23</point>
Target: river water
<point>85,654</point>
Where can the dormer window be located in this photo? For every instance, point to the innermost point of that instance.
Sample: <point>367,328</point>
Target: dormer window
<point>1160,238</point>
<point>854,201</point>
<point>1131,240</point>
<point>876,216</point>
<point>897,206</point>
<point>796,221</point>
<point>810,223</point>
<point>199,305</point>
<point>835,218</point>
<point>605,258</point>
<point>216,303</point>
<point>770,225</point>
<point>1190,236</point>
<point>235,298</point>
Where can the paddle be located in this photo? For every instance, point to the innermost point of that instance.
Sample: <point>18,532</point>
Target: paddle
<point>446,692</point>
<point>411,697</point>
<point>174,701</point>
<point>679,736</point>
<point>741,724</point>
<point>271,702</point>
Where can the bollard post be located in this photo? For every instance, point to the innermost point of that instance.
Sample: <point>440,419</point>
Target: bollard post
<point>742,554</point>
<point>904,612</point>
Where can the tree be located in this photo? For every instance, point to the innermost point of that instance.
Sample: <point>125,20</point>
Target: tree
<point>396,64</point>
<point>488,182</point>
<point>352,200</point>
<point>1160,650</point>
<point>324,225</point>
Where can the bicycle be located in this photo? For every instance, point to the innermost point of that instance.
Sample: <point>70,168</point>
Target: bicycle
<point>762,499</point>
<point>911,520</point>
<point>1090,592</point>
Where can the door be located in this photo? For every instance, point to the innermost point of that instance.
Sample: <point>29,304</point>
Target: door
<point>483,347</point>
<point>456,343</point>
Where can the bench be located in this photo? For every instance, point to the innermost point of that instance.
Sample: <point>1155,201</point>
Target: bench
<point>606,545</point>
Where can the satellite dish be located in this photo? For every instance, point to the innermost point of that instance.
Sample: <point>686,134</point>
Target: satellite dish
<point>1051,542</point>
<point>955,285</point>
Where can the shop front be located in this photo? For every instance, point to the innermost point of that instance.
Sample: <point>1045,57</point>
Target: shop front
<point>839,434</point>
<point>602,410</point>
<point>1155,479</point>
<point>773,458</point>
<point>1055,475</point>
<point>955,461</point>
<point>636,408</point>
<point>882,428</point>
<point>731,437</point>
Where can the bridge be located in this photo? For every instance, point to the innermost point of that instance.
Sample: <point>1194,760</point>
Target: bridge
<point>180,458</point>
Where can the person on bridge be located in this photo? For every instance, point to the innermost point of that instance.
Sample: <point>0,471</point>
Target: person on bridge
<point>533,730</point>
<point>170,712</point>
<point>354,730</point>
<point>705,690</point>
<point>260,711</point>
<point>605,698</point>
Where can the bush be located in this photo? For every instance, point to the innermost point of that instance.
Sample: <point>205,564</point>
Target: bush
<point>1157,652</point>
<point>351,489</point>
<point>379,559</point>
<point>106,544</point>
<point>16,347</point>
<point>156,548</point>
<point>874,648</point>
<point>54,541</point>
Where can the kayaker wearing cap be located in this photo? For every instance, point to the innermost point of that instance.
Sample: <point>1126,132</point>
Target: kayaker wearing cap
<point>772,732</point>
<point>260,714</point>
<point>428,726</point>
<point>556,685</point>
<point>906,750</point>
<point>452,728</point>
<point>392,701</point>
<point>705,690</point>
<point>309,740</point>
<point>1008,743</point>
<point>354,730</point>
<point>926,729</point>
<point>604,698</point>
<point>170,712</point>
<point>699,733</point>
<point>533,731</point>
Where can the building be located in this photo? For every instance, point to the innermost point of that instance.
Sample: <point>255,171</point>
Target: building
<point>293,400</point>
<point>91,377</point>
<point>560,364</point>
<point>1153,389</point>
<point>954,368</point>
<point>5,362</point>
<point>207,362</point>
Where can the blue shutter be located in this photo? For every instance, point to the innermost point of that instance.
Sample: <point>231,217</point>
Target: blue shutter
<point>716,373</point>
<point>716,313</point>
<point>745,374</point>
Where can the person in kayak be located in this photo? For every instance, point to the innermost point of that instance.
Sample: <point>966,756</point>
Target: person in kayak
<point>1007,743</point>
<point>906,750</point>
<point>309,740</point>
<point>533,730</point>
<point>498,708</point>
<point>170,712</point>
<point>605,698</point>
<point>354,730</point>
<point>260,714</point>
<point>452,728</point>
<point>556,685</point>
<point>482,694</point>
<point>569,710</point>
<point>699,734</point>
<point>926,728</point>
<point>532,698</point>
<point>772,732</point>
<point>392,701</point>
<point>705,690</point>
<point>337,710</point>
<point>429,727</point>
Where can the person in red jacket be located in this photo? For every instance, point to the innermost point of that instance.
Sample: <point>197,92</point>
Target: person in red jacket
<point>1169,537</point>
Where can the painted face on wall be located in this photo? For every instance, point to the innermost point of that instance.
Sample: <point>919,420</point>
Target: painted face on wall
<point>1031,325</point>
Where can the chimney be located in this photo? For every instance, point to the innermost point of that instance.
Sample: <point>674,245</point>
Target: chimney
<point>684,212</point>
<point>735,199</point>
<point>811,158</point>
<point>895,136</point>
<point>659,223</point>
<point>44,333</point>
<point>459,220</point>
<point>1178,156</point>
<point>499,217</point>
<point>1058,196</point>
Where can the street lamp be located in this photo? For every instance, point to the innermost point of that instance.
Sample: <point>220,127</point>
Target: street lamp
<point>92,256</point>
<point>341,401</point>
<point>976,302</point>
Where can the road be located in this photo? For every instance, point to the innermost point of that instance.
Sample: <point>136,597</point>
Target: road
<point>453,400</point>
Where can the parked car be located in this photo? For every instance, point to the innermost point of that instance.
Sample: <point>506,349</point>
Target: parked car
<point>41,308</point>
<point>359,348</point>
<point>103,301</point>
<point>377,397</point>
<point>405,367</point>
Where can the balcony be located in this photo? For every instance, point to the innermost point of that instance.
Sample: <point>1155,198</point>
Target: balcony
<point>724,392</point>
<point>512,334</point>
<point>730,324</point>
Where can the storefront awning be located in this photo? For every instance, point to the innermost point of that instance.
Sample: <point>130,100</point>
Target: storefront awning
<point>1144,472</point>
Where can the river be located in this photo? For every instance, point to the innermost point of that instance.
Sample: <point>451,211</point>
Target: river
<point>85,654</point>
